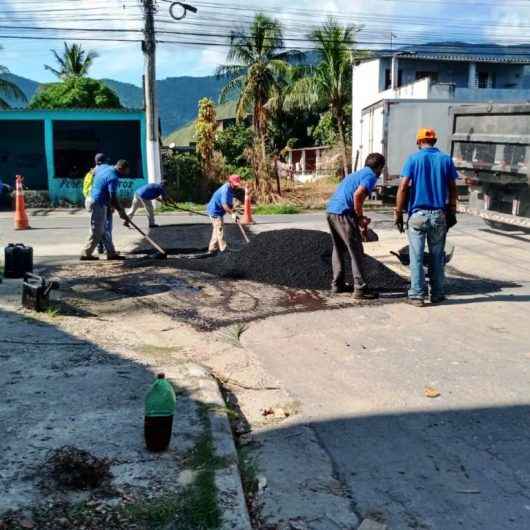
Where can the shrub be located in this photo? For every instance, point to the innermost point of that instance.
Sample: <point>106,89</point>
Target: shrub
<point>75,92</point>
<point>182,173</point>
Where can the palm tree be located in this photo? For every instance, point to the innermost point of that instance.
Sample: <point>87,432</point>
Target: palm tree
<point>328,85</point>
<point>256,63</point>
<point>9,89</point>
<point>74,61</point>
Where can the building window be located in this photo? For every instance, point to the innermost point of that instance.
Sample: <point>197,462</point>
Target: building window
<point>486,79</point>
<point>432,75</point>
<point>388,78</point>
<point>77,142</point>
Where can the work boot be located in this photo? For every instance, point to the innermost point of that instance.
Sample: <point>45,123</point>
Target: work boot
<point>417,302</point>
<point>438,299</point>
<point>85,257</point>
<point>365,294</point>
<point>115,257</point>
<point>339,289</point>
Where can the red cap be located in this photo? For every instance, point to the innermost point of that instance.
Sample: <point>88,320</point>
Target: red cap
<point>235,180</point>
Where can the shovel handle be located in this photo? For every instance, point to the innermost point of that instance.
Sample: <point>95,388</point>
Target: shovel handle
<point>243,233</point>
<point>151,242</point>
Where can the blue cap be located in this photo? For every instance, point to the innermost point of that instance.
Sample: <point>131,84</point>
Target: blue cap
<point>100,158</point>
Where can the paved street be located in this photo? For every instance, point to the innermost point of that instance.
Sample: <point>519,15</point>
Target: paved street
<point>461,460</point>
<point>364,431</point>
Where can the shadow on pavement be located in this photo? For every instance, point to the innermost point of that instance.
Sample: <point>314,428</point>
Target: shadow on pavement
<point>432,469</point>
<point>58,390</point>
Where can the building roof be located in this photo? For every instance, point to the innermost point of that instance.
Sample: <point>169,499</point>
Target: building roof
<point>185,135</point>
<point>463,52</point>
<point>71,110</point>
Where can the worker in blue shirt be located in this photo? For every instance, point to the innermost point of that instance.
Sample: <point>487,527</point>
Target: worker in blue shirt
<point>104,196</point>
<point>144,196</point>
<point>346,220</point>
<point>427,192</point>
<point>222,202</point>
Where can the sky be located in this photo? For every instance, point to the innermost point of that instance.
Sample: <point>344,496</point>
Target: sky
<point>410,21</point>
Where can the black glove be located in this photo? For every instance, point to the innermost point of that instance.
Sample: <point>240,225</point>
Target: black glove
<point>398,221</point>
<point>451,219</point>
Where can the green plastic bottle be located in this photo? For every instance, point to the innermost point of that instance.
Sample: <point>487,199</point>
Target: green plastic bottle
<point>160,404</point>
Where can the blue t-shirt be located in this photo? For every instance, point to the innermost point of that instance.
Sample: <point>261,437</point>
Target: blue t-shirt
<point>341,201</point>
<point>106,180</point>
<point>149,192</point>
<point>430,172</point>
<point>224,195</point>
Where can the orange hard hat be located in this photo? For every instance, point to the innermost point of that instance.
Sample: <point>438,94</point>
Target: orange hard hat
<point>426,134</point>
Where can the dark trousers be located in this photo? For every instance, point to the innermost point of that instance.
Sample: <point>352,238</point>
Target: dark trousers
<point>346,238</point>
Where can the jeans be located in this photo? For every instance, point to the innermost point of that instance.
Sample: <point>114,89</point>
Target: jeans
<point>346,239</point>
<point>105,244</point>
<point>100,222</point>
<point>147,204</point>
<point>430,226</point>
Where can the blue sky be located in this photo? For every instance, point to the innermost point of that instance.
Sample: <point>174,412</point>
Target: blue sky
<point>504,21</point>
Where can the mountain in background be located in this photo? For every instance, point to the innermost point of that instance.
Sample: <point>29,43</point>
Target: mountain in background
<point>178,97</point>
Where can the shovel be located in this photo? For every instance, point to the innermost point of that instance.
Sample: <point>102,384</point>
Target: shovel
<point>243,233</point>
<point>162,254</point>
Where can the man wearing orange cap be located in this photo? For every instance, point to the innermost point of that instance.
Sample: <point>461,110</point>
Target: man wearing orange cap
<point>427,192</point>
<point>222,202</point>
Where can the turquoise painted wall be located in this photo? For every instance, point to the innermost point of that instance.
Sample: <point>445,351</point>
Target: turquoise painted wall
<point>70,189</point>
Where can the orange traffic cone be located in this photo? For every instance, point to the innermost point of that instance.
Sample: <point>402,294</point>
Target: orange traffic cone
<point>21,217</point>
<point>247,213</point>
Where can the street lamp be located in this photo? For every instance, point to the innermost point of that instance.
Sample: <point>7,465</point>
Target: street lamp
<point>185,8</point>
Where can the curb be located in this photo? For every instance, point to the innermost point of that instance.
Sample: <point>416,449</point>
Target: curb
<point>231,499</point>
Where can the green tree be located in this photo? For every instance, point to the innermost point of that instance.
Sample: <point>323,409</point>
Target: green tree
<point>75,93</point>
<point>205,131</point>
<point>328,85</point>
<point>8,89</point>
<point>287,124</point>
<point>256,62</point>
<point>74,61</point>
<point>232,143</point>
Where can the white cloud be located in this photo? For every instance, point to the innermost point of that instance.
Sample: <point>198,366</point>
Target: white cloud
<point>503,22</point>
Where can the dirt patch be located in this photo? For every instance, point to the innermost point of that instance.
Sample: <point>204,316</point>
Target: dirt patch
<point>77,469</point>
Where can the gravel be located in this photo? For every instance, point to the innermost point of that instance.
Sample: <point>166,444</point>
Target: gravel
<point>293,258</point>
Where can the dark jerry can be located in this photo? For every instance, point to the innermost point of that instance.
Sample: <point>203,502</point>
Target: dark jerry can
<point>36,292</point>
<point>18,260</point>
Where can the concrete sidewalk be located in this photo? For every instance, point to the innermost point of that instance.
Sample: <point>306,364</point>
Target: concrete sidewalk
<point>61,388</point>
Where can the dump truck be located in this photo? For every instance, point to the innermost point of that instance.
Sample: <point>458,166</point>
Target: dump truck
<point>390,126</point>
<point>490,146</point>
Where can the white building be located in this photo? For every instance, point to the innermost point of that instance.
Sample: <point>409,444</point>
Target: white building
<point>457,74</point>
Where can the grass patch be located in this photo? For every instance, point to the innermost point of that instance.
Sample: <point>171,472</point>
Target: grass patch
<point>233,334</point>
<point>276,209</point>
<point>52,311</point>
<point>185,205</point>
<point>249,471</point>
<point>151,349</point>
<point>196,505</point>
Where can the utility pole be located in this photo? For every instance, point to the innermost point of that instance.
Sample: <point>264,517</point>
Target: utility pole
<point>154,173</point>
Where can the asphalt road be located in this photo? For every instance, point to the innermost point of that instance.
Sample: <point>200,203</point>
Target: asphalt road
<point>457,461</point>
<point>62,233</point>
